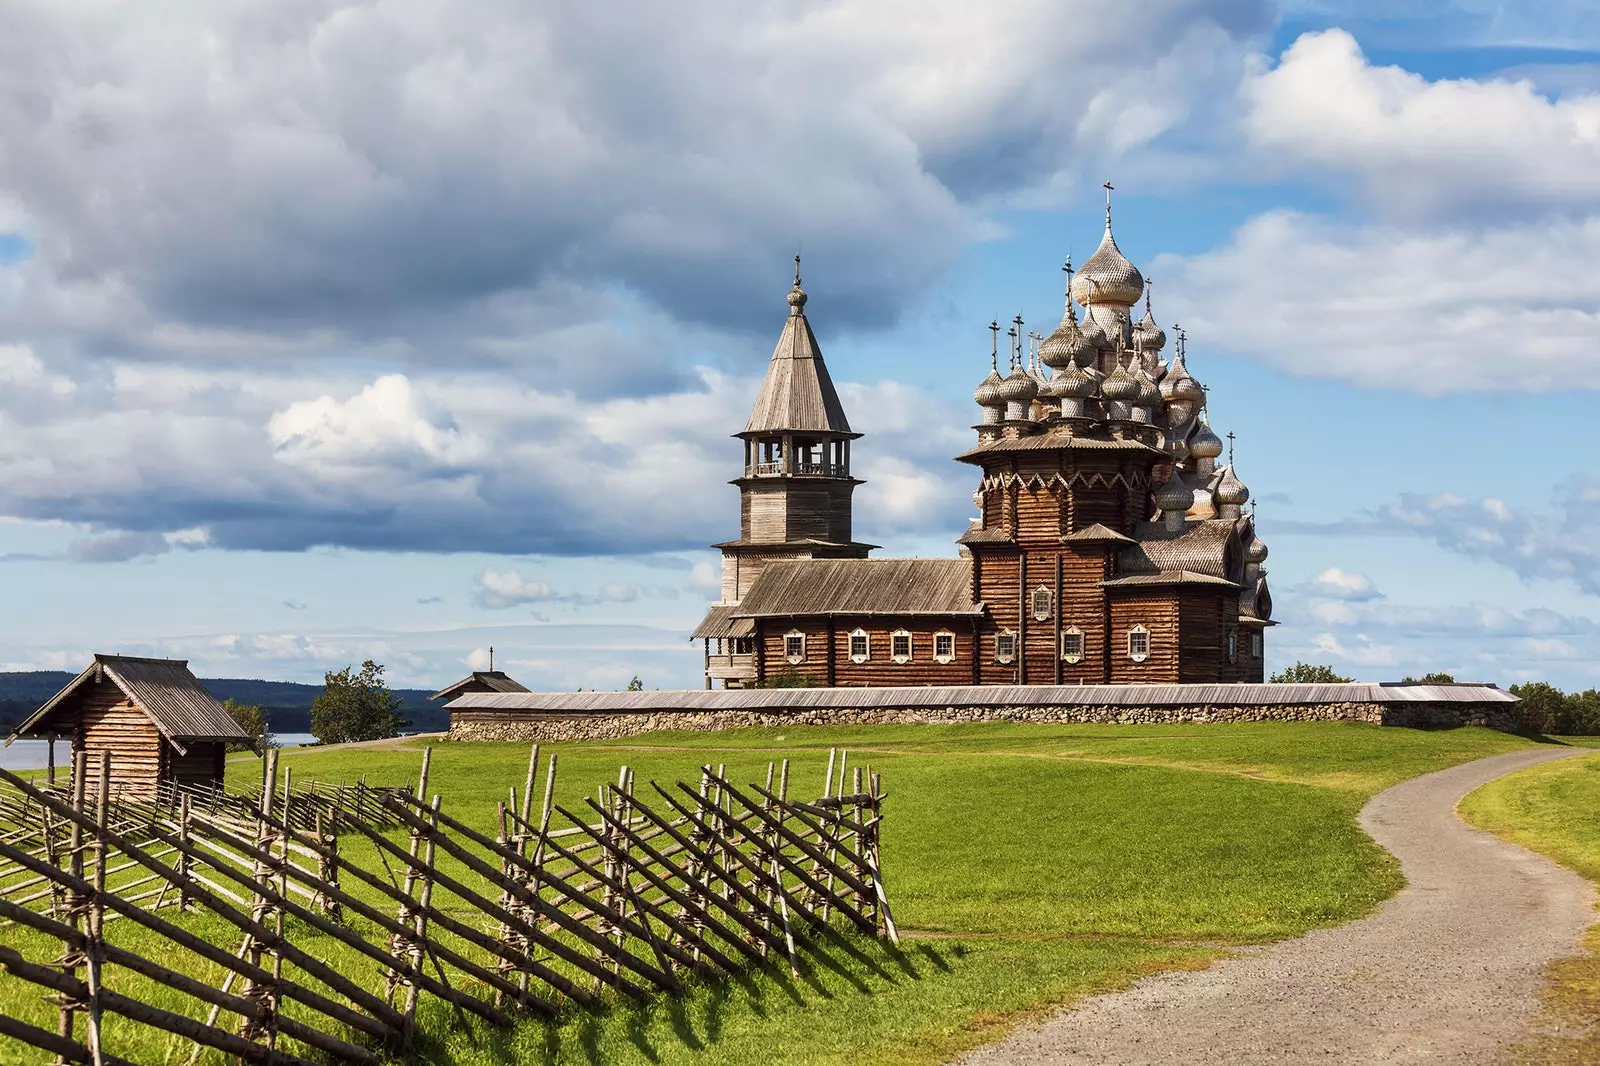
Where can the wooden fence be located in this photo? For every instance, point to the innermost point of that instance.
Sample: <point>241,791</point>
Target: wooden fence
<point>553,908</point>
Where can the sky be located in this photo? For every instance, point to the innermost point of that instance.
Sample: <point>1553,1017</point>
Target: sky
<point>402,329</point>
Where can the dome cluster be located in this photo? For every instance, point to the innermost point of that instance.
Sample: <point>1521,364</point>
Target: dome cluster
<point>1102,375</point>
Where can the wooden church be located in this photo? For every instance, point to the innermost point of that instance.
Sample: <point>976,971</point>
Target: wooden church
<point>1111,543</point>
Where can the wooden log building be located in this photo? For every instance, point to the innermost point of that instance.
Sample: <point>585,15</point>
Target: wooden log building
<point>155,718</point>
<point>1109,547</point>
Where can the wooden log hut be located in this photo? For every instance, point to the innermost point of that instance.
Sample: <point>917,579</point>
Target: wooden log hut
<point>155,718</point>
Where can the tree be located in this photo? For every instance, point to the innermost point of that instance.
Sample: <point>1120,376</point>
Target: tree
<point>1543,707</point>
<point>1436,678</point>
<point>635,685</point>
<point>356,706</point>
<point>1316,674</point>
<point>253,720</point>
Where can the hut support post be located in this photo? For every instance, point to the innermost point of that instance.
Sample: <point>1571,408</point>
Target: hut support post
<point>72,954</point>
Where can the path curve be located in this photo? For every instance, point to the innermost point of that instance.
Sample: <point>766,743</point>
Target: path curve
<point>1447,971</point>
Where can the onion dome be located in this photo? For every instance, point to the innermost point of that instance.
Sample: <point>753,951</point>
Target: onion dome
<point>1120,385</point>
<point>1256,551</point>
<point>1107,277</point>
<point>1176,494</point>
<point>1230,490</point>
<point>1147,335</point>
<point>987,394</point>
<point>1178,386</point>
<point>1205,444</point>
<point>1068,340</point>
<point>1149,395</point>
<point>1018,387</point>
<point>1074,382</point>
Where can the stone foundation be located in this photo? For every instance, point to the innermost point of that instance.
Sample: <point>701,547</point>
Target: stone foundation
<point>548,726</point>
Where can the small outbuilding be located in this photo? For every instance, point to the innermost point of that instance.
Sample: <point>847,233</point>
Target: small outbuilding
<point>479,681</point>
<point>155,718</point>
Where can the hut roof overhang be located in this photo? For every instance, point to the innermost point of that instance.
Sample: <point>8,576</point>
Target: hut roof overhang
<point>723,622</point>
<point>491,680</point>
<point>164,689</point>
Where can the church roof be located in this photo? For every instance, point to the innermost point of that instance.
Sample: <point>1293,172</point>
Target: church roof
<point>723,622</point>
<point>861,586</point>
<point>1200,548</point>
<point>797,395</point>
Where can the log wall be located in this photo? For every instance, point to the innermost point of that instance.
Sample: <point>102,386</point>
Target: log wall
<point>106,720</point>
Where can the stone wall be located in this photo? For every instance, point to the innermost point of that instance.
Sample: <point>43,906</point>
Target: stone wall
<point>481,724</point>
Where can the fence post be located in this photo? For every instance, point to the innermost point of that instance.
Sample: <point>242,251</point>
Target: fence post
<point>72,955</point>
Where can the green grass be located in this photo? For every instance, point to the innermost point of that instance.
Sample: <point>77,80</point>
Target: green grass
<point>1029,865</point>
<point>1550,809</point>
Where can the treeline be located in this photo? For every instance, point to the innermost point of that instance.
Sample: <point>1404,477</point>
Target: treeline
<point>1547,709</point>
<point>286,704</point>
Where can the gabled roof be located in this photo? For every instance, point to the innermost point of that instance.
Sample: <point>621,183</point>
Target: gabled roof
<point>1167,577</point>
<point>861,586</point>
<point>722,622</point>
<point>489,680</point>
<point>164,689</point>
<point>797,394</point>
<point>1096,532</point>
<point>1200,547</point>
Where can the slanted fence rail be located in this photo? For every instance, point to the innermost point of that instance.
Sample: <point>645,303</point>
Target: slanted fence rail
<point>350,904</point>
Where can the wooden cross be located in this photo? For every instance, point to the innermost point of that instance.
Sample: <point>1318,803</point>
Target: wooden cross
<point>1230,447</point>
<point>1108,187</point>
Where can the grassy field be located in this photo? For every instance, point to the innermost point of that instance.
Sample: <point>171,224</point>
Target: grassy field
<point>1550,809</point>
<point>1028,865</point>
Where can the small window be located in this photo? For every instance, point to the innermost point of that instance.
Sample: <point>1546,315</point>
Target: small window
<point>900,646</point>
<point>944,647</point>
<point>1233,645</point>
<point>1255,645</point>
<point>1138,644</point>
<point>794,646</point>
<point>860,646</point>
<point>1005,647</point>
<point>1072,645</point>
<point>1043,604</point>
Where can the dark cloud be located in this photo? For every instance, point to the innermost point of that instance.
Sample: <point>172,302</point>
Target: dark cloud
<point>117,547</point>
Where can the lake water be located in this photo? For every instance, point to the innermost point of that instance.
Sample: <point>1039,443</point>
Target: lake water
<point>34,754</point>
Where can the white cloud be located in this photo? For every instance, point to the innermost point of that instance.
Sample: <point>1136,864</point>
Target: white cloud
<point>388,421</point>
<point>507,588</point>
<point>1343,585</point>
<point>1559,546</point>
<point>1513,308</point>
<point>1419,147</point>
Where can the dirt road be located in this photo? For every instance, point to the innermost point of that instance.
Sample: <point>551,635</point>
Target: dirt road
<point>1448,971</point>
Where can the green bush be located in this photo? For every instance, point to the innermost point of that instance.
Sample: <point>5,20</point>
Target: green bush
<point>356,706</point>
<point>1308,673</point>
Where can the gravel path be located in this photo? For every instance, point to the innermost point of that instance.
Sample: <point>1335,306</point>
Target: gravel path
<point>1448,971</point>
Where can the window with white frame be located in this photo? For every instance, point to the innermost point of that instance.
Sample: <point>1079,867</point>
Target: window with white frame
<point>1233,645</point>
<point>794,646</point>
<point>900,646</point>
<point>1138,644</point>
<point>1072,645</point>
<point>1043,604</point>
<point>944,646</point>
<point>860,646</point>
<point>1255,645</point>
<point>1005,647</point>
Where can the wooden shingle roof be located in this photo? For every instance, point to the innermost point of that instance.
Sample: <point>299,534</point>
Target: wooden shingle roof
<point>490,680</point>
<point>861,586</point>
<point>797,395</point>
<point>164,689</point>
<point>722,622</point>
